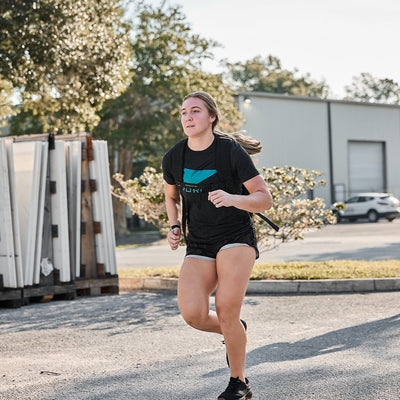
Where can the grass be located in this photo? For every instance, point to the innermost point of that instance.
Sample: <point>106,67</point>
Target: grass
<point>164,272</point>
<point>132,246</point>
<point>336,269</point>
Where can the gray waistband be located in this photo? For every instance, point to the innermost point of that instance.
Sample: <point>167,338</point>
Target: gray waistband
<point>228,246</point>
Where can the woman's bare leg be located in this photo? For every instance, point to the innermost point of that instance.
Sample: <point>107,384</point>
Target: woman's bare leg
<point>234,266</point>
<point>197,281</point>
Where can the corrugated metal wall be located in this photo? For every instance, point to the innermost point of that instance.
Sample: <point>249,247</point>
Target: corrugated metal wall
<point>297,131</point>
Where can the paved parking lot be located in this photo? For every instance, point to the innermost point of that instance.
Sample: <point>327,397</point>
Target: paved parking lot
<point>136,346</point>
<point>357,241</point>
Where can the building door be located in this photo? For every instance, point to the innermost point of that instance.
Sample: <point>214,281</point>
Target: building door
<point>366,167</point>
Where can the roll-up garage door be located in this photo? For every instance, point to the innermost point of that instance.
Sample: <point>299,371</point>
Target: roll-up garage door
<point>366,167</point>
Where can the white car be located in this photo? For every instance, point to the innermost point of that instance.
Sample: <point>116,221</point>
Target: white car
<point>368,205</point>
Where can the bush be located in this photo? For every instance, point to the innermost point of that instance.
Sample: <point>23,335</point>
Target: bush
<point>294,213</point>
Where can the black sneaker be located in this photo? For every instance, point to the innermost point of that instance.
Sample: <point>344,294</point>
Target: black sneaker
<point>245,328</point>
<point>237,390</point>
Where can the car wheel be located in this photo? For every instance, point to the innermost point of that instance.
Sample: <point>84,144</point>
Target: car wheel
<point>372,216</point>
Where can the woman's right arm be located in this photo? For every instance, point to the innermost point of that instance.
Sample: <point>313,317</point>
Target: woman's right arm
<point>173,201</point>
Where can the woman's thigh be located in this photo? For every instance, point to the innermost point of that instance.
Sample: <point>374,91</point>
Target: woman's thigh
<point>197,281</point>
<point>234,266</point>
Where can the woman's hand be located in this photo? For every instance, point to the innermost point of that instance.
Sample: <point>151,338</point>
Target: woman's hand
<point>174,237</point>
<point>221,199</point>
<point>259,198</point>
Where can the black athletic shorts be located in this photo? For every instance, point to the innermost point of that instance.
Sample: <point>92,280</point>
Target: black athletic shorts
<point>209,251</point>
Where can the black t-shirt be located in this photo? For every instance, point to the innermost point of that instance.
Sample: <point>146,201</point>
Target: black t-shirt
<point>206,223</point>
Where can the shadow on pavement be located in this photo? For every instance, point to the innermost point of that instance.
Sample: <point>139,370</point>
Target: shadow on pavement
<point>372,334</point>
<point>117,314</point>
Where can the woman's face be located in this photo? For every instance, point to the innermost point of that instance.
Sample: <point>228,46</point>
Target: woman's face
<point>195,118</point>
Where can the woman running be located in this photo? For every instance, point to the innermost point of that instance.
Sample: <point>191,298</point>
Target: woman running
<point>218,200</point>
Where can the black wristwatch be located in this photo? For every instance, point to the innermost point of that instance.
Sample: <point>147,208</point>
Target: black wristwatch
<point>174,226</point>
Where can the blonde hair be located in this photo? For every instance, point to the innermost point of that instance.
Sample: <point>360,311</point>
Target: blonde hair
<point>252,146</point>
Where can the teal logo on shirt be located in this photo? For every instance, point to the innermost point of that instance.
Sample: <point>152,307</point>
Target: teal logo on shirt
<point>193,176</point>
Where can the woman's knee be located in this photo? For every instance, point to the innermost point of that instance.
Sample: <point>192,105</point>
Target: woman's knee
<point>227,312</point>
<point>197,281</point>
<point>193,314</point>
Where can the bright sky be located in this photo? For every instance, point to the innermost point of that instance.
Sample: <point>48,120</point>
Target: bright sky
<point>330,39</point>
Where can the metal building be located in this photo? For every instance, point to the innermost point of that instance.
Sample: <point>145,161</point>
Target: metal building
<point>355,145</point>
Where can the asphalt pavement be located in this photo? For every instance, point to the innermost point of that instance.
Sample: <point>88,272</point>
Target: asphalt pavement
<point>136,346</point>
<point>353,241</point>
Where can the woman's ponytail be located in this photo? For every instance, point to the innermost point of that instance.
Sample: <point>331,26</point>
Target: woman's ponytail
<point>252,146</point>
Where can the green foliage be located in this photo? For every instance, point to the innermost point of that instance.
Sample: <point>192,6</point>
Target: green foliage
<point>291,210</point>
<point>26,122</point>
<point>6,109</point>
<point>373,90</point>
<point>167,63</point>
<point>66,57</point>
<point>144,196</point>
<point>267,75</point>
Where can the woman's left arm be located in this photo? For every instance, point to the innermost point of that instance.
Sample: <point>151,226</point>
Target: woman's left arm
<point>259,198</point>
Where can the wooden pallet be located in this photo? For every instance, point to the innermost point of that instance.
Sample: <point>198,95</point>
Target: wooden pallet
<point>34,294</point>
<point>97,287</point>
<point>10,298</point>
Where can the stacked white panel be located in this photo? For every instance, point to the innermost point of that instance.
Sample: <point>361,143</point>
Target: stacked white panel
<point>24,182</point>
<point>29,160</point>
<point>7,260</point>
<point>105,189</point>
<point>98,209</point>
<point>14,214</point>
<point>41,204</point>
<point>74,185</point>
<point>59,211</point>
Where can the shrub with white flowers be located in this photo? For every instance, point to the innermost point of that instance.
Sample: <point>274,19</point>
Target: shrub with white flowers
<point>291,211</point>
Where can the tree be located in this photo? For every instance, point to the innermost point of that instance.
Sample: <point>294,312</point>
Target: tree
<point>166,65</point>
<point>267,75</point>
<point>291,210</point>
<point>373,90</point>
<point>6,107</point>
<point>25,122</point>
<point>65,57</point>
<point>143,122</point>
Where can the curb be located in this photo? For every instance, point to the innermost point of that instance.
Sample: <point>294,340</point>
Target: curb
<point>127,284</point>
